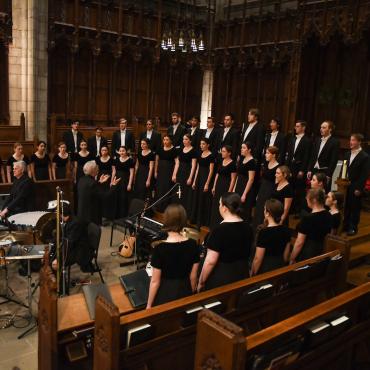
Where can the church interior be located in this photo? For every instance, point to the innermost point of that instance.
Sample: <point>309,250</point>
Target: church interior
<point>237,129</point>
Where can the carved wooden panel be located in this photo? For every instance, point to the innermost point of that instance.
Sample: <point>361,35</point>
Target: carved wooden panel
<point>334,84</point>
<point>236,90</point>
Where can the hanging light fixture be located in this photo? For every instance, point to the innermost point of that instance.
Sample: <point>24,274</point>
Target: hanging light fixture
<point>183,37</point>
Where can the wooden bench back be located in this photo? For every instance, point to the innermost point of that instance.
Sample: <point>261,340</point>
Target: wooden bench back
<point>47,318</point>
<point>7,148</point>
<point>12,133</point>
<point>222,344</point>
<point>172,340</point>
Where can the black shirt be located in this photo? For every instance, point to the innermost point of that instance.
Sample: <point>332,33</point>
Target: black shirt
<point>316,225</point>
<point>59,161</point>
<point>244,168</point>
<point>273,239</point>
<point>232,240</point>
<point>175,259</point>
<point>336,220</point>
<point>285,192</point>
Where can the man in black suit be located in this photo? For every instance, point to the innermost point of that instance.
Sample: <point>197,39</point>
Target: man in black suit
<point>276,138</point>
<point>73,138</point>
<point>122,137</point>
<point>78,246</point>
<point>195,133</point>
<point>21,195</point>
<point>176,130</point>
<point>254,133</point>
<point>95,143</point>
<point>152,135</point>
<point>358,168</point>
<point>229,135</point>
<point>212,134</point>
<point>325,153</point>
<point>90,193</point>
<point>298,156</point>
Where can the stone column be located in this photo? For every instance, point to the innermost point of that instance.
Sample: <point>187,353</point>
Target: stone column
<point>207,92</point>
<point>28,66</point>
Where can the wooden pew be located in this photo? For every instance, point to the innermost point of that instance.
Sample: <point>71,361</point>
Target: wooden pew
<point>332,335</point>
<point>7,148</point>
<point>172,340</point>
<point>13,133</point>
<point>64,321</point>
<point>46,191</point>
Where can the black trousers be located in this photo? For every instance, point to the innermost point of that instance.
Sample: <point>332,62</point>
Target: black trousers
<point>299,188</point>
<point>352,210</point>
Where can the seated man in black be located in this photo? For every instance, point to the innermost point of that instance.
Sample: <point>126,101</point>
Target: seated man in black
<point>76,244</point>
<point>21,194</point>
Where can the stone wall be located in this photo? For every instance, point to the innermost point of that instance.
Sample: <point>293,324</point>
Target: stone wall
<point>28,66</point>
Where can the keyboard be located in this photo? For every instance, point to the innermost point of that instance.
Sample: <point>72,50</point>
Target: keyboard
<point>148,226</point>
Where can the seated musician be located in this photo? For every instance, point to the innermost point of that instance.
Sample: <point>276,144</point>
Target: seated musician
<point>313,228</point>
<point>21,194</point>
<point>175,260</point>
<point>77,246</point>
<point>273,240</point>
<point>228,246</point>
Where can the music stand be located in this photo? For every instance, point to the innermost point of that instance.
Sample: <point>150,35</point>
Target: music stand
<point>27,252</point>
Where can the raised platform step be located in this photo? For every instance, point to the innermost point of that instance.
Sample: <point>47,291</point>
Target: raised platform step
<point>359,254</point>
<point>358,275</point>
<point>362,236</point>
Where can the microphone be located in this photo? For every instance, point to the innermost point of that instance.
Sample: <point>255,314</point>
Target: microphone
<point>179,192</point>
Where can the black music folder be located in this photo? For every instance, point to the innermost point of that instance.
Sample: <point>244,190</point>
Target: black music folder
<point>91,292</point>
<point>136,286</point>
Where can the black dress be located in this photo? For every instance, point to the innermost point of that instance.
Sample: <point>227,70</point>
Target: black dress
<point>60,166</point>
<point>281,195</point>
<point>241,182</point>
<point>265,192</point>
<point>81,161</point>
<point>336,220</point>
<point>315,226</point>
<point>222,187</point>
<point>109,204</point>
<point>202,201</point>
<point>10,162</point>
<point>183,173</point>
<point>123,173</point>
<point>274,240</point>
<point>164,175</point>
<point>233,241</point>
<point>175,260</point>
<point>41,166</point>
<point>141,191</point>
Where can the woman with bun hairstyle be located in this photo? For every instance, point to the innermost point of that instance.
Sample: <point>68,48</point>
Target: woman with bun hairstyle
<point>273,240</point>
<point>228,246</point>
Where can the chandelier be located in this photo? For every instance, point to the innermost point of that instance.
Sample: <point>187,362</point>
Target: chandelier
<point>182,35</point>
<point>183,40</point>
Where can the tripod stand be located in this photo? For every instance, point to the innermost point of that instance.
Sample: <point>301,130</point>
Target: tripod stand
<point>27,252</point>
<point>7,297</point>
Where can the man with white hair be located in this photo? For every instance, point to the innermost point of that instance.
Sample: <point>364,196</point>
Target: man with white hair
<point>90,193</point>
<point>21,194</point>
